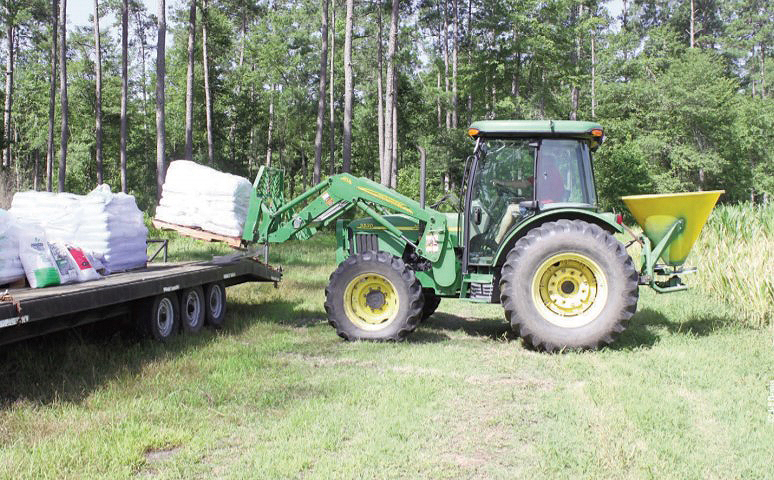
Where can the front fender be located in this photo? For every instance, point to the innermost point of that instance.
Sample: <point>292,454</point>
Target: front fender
<point>606,220</point>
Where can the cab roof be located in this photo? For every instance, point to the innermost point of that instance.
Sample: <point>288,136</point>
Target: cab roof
<point>523,128</point>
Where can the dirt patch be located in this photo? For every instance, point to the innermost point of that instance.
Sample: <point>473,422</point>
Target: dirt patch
<point>157,455</point>
<point>323,361</point>
<point>524,380</point>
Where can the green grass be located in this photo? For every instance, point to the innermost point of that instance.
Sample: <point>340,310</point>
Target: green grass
<point>682,394</point>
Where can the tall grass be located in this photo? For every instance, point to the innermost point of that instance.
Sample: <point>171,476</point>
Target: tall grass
<point>735,256</point>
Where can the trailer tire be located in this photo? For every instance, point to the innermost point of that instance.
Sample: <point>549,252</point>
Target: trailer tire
<point>568,285</point>
<point>373,296</point>
<point>163,317</point>
<point>192,309</point>
<point>215,304</point>
<point>432,301</point>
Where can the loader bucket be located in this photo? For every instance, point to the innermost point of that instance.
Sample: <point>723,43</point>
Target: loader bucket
<point>657,214</point>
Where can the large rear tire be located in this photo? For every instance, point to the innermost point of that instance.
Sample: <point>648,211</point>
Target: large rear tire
<point>373,296</point>
<point>568,285</point>
<point>432,301</point>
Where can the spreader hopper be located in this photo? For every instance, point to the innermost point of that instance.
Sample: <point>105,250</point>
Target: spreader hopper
<point>671,223</point>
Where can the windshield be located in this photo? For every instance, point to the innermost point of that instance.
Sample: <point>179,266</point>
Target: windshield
<point>506,182</point>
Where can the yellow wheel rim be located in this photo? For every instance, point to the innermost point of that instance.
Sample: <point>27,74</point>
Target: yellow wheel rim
<point>569,290</point>
<point>371,301</point>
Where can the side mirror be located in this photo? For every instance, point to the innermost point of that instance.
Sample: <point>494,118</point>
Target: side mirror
<point>476,216</point>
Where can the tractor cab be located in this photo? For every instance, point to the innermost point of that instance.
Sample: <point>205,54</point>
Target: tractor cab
<point>521,169</point>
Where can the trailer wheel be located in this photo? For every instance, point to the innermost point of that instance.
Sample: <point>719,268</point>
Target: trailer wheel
<point>215,304</point>
<point>568,284</point>
<point>373,296</point>
<point>164,316</point>
<point>192,309</point>
<point>431,303</point>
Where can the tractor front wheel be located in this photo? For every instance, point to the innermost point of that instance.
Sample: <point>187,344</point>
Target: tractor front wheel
<point>373,296</point>
<point>568,285</point>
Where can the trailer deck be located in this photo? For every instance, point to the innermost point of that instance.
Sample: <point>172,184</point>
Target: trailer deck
<point>27,312</point>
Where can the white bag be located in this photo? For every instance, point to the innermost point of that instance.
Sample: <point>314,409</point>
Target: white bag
<point>11,268</point>
<point>35,254</point>
<point>64,263</point>
<point>84,269</point>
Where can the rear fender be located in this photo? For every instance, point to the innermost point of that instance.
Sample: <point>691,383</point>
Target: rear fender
<point>606,221</point>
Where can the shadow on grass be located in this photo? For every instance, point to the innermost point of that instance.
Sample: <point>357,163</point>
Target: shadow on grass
<point>67,366</point>
<point>492,328</point>
<point>280,312</point>
<point>648,325</point>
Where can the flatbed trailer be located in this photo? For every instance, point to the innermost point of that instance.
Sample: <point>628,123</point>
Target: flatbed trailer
<point>163,298</point>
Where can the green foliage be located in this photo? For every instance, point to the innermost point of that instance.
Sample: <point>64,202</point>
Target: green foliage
<point>731,266</point>
<point>676,118</point>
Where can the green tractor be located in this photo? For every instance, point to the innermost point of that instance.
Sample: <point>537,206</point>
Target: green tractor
<point>528,235</point>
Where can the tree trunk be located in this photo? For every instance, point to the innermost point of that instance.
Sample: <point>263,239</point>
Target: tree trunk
<point>8,87</point>
<point>124,90</point>
<point>318,136</point>
<point>161,72</point>
<point>36,170</point>
<point>50,152</point>
<point>438,111</point>
<point>271,127</point>
<point>693,14</point>
<point>575,91</point>
<point>470,59</point>
<point>305,169</point>
<point>331,108</point>
<point>189,82</point>
<point>455,54</point>
<point>65,133</point>
<point>348,90</point>
<point>394,161</point>
<point>390,100</point>
<point>446,62</point>
<point>98,68</point>
<point>422,175</point>
<point>232,128</point>
<point>593,75</point>
<point>380,95</point>
<point>146,135</point>
<point>207,89</point>
<point>763,70</point>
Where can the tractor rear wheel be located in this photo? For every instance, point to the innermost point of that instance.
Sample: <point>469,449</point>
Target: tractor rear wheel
<point>568,285</point>
<point>431,303</point>
<point>373,296</point>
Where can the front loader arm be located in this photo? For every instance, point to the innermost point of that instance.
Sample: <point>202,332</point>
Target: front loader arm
<point>271,220</point>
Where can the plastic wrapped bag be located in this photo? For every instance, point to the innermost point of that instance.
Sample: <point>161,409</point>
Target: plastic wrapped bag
<point>39,265</point>
<point>11,269</point>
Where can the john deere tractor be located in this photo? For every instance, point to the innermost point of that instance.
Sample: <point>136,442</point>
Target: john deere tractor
<point>528,235</point>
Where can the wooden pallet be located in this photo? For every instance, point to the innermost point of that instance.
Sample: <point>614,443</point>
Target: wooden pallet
<point>199,234</point>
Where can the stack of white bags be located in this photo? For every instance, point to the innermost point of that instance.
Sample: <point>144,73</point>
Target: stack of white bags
<point>108,225</point>
<point>201,197</point>
<point>11,268</point>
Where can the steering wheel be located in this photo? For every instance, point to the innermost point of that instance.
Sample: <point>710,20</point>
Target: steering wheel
<point>451,198</point>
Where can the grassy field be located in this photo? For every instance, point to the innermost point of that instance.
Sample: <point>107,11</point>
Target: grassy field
<point>276,394</point>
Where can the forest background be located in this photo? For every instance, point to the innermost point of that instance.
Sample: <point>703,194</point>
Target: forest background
<point>683,89</point>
